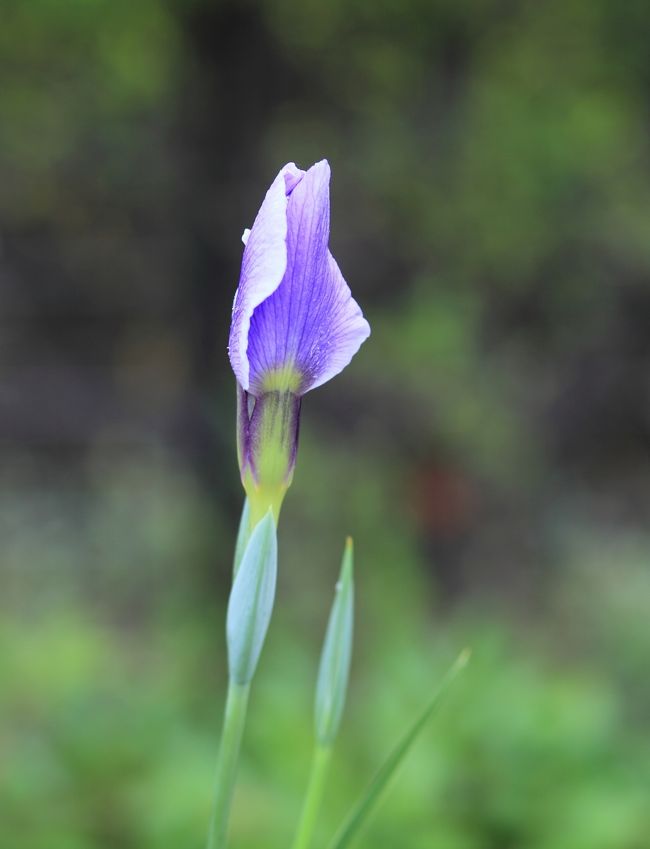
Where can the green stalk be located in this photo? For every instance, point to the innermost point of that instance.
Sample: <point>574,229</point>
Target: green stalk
<point>315,787</point>
<point>233,729</point>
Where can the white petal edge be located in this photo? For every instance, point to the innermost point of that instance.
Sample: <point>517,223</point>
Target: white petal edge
<point>263,266</point>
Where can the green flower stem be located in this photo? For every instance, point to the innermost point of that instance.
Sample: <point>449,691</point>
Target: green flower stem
<point>319,769</point>
<point>233,729</point>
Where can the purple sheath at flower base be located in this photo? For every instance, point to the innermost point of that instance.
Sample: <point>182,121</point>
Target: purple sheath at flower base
<point>294,326</point>
<point>267,443</point>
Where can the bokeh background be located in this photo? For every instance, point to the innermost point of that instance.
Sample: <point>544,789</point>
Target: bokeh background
<point>488,447</point>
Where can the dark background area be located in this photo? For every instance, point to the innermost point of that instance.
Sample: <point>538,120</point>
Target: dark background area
<point>488,447</point>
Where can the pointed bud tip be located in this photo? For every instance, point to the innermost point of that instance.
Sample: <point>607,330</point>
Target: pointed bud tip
<point>463,658</point>
<point>347,564</point>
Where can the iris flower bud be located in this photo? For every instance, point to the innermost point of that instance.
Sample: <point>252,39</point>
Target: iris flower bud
<point>294,326</point>
<point>334,669</point>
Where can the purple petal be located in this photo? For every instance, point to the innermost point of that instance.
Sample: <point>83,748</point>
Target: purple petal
<point>308,327</point>
<point>336,334</point>
<point>263,266</point>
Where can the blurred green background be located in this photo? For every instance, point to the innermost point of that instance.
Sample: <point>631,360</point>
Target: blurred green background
<point>488,447</point>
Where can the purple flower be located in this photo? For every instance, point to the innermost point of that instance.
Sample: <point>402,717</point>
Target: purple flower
<point>294,324</point>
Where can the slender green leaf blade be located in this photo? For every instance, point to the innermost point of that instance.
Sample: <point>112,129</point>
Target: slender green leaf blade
<point>368,802</point>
